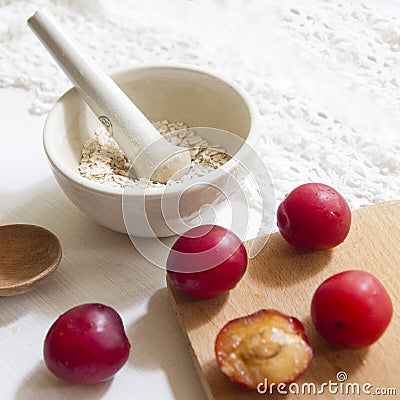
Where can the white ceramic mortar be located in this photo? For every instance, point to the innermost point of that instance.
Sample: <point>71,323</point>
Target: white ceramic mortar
<point>175,93</point>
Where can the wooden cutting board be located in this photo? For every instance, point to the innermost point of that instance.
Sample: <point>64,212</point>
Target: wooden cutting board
<point>283,278</point>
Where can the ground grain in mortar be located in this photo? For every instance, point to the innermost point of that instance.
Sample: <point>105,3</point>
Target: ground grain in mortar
<point>104,162</point>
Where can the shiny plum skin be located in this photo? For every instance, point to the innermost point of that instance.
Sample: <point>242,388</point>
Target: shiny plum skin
<point>314,216</point>
<point>206,261</point>
<point>86,345</point>
<point>351,309</point>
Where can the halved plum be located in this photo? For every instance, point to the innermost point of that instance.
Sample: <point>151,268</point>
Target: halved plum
<point>267,346</point>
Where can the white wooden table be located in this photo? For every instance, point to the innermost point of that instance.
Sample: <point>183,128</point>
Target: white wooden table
<point>98,265</point>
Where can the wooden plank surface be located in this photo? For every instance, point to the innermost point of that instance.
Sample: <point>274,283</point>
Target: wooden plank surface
<point>283,278</point>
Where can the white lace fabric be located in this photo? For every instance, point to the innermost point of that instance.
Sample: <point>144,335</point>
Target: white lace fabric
<point>324,74</point>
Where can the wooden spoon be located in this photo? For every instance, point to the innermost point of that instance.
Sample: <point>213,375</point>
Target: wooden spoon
<point>28,255</point>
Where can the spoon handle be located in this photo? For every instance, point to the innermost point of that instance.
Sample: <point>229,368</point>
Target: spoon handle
<point>130,128</point>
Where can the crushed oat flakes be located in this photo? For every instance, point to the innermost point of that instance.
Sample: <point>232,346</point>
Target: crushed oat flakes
<point>104,162</point>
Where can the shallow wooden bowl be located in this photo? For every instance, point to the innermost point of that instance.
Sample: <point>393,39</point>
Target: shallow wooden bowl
<point>28,255</point>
